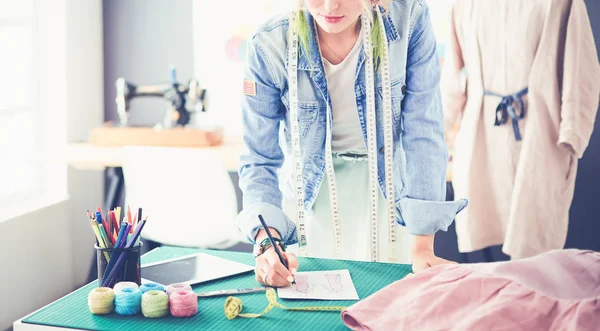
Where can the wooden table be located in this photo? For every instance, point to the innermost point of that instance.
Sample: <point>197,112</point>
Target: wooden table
<point>87,156</point>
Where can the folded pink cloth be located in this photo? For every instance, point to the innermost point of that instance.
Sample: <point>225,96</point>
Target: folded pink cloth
<point>558,290</point>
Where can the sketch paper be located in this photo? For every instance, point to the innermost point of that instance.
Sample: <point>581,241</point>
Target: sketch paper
<point>321,285</point>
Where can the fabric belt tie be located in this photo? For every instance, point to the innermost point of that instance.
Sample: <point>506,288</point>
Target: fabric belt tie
<point>506,108</point>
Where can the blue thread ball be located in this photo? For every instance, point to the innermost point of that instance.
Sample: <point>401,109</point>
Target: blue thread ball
<point>128,301</point>
<point>150,287</point>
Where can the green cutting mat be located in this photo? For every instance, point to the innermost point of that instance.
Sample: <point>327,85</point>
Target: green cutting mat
<point>72,311</point>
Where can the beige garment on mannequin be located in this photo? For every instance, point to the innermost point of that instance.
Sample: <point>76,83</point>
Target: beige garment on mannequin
<point>519,191</point>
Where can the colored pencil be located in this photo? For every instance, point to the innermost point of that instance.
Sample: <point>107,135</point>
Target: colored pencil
<point>128,215</point>
<point>115,267</point>
<point>115,227</point>
<point>118,215</point>
<point>102,219</point>
<point>99,239</point>
<point>90,219</point>
<point>138,218</point>
<point>133,223</point>
<point>109,232</point>
<point>140,237</point>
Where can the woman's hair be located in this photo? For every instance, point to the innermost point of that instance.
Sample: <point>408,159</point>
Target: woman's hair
<point>377,33</point>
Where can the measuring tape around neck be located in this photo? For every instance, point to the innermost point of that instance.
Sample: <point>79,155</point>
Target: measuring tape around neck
<point>371,137</point>
<point>371,144</point>
<point>388,143</point>
<point>295,134</point>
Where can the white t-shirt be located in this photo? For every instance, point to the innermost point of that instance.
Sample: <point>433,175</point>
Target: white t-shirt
<point>347,135</point>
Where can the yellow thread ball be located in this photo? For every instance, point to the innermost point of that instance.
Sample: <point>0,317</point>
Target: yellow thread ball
<point>101,301</point>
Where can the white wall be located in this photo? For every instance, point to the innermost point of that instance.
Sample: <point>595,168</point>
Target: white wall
<point>142,38</point>
<point>85,109</point>
<point>47,253</point>
<point>224,48</point>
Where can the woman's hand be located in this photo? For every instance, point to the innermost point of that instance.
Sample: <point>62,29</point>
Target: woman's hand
<point>271,272</point>
<point>423,256</point>
<point>424,259</point>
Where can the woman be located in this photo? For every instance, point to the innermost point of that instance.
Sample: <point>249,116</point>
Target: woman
<point>352,118</point>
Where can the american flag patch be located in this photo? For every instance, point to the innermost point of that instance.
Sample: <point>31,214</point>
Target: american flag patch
<point>249,87</point>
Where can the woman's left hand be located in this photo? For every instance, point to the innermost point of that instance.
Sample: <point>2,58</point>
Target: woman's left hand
<point>425,258</point>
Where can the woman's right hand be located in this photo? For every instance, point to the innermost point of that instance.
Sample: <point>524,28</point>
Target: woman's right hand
<point>271,272</point>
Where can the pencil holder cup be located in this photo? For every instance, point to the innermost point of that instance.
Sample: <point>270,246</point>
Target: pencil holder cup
<point>118,265</point>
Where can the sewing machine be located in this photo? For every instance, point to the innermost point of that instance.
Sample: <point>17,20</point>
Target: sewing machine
<point>182,101</point>
<point>178,129</point>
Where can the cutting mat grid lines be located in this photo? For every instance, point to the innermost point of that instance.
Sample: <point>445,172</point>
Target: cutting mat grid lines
<point>72,311</point>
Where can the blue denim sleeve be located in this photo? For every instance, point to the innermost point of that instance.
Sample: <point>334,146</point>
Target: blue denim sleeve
<point>262,112</point>
<point>423,208</point>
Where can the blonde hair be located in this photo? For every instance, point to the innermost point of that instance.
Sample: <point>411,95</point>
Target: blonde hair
<point>378,39</point>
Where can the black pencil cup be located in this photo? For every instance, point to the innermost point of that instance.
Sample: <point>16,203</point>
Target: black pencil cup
<point>118,265</point>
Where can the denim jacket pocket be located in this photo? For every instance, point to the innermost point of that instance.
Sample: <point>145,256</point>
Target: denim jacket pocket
<point>308,111</point>
<point>398,92</point>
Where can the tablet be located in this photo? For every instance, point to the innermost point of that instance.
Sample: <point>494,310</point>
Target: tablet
<point>191,269</point>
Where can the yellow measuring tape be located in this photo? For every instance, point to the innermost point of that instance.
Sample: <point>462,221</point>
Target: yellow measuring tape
<point>233,307</point>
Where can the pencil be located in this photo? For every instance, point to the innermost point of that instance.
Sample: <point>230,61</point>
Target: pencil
<point>138,218</point>
<point>275,246</point>
<point>133,223</point>
<point>110,227</point>
<point>118,215</point>
<point>140,237</point>
<point>231,292</point>
<point>90,218</point>
<point>99,239</point>
<point>128,215</point>
<point>102,219</point>
<point>114,219</point>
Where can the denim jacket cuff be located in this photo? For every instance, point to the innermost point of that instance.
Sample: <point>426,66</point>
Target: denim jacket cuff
<point>423,217</point>
<point>249,224</point>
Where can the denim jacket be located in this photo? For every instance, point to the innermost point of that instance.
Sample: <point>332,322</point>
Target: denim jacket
<point>420,151</point>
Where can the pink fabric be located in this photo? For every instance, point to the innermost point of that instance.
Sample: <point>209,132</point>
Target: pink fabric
<point>558,290</point>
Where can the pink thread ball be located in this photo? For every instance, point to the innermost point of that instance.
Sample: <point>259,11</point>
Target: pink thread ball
<point>183,303</point>
<point>177,287</point>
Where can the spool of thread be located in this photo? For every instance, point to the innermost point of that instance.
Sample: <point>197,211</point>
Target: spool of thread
<point>177,287</point>
<point>155,304</point>
<point>121,285</point>
<point>128,301</point>
<point>151,287</point>
<point>101,301</point>
<point>183,303</point>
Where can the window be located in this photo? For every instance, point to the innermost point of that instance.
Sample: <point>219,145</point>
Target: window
<point>28,130</point>
<point>18,102</point>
